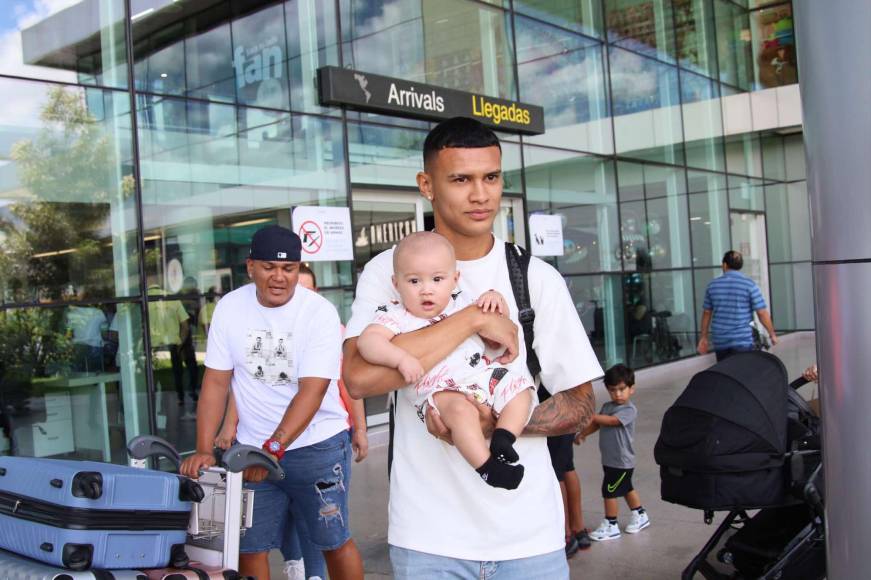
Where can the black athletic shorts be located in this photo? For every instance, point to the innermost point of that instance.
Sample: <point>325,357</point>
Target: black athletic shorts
<point>617,482</point>
<point>562,455</point>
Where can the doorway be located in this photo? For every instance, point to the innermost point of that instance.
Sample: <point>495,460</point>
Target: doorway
<point>748,237</point>
<point>381,218</point>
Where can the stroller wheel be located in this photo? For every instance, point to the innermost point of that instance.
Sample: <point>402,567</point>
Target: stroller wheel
<point>725,556</point>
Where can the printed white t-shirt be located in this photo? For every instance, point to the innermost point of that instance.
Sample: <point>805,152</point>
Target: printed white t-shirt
<point>268,349</point>
<point>437,504</point>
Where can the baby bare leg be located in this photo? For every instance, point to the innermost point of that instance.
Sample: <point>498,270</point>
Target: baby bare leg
<point>516,413</point>
<point>461,417</point>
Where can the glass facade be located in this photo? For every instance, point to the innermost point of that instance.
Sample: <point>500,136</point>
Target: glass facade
<point>142,142</point>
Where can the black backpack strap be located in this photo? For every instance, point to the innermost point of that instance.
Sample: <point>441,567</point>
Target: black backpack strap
<point>518,271</point>
<point>394,396</point>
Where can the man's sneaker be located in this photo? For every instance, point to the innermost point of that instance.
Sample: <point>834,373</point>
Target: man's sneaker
<point>571,546</point>
<point>605,531</point>
<point>638,523</point>
<point>294,569</point>
<point>583,538</point>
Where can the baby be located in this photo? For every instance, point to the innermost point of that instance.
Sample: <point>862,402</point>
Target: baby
<point>425,275</point>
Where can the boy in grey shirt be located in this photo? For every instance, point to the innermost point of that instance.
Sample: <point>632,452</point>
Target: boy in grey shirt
<point>616,426</point>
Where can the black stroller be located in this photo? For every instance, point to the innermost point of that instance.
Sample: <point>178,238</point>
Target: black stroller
<point>740,438</point>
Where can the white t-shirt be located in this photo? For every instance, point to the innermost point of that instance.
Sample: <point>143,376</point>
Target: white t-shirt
<point>268,350</point>
<point>437,504</point>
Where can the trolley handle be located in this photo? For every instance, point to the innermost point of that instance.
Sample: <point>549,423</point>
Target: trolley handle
<point>145,446</point>
<point>240,457</point>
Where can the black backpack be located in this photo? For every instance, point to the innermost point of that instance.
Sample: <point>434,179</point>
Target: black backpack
<point>517,258</point>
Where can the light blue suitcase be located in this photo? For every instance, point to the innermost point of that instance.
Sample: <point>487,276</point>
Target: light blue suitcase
<point>83,514</point>
<point>13,567</point>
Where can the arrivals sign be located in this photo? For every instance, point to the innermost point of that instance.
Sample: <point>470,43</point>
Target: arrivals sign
<point>369,92</point>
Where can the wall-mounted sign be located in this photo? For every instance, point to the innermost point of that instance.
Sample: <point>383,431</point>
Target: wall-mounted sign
<point>546,233</point>
<point>369,92</point>
<point>325,233</point>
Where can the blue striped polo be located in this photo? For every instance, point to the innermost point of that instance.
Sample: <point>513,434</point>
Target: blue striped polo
<point>733,297</point>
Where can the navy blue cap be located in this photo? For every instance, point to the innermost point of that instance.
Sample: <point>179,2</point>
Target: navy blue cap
<point>275,244</point>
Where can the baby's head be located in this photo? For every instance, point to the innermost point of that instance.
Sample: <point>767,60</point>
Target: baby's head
<point>620,382</point>
<point>425,273</point>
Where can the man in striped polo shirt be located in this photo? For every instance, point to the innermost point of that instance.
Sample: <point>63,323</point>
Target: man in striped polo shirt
<point>730,301</point>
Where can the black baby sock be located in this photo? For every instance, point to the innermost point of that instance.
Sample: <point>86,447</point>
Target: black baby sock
<point>639,509</point>
<point>499,474</point>
<point>502,446</point>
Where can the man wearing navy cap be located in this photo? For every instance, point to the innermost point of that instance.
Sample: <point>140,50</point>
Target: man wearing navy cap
<point>277,346</point>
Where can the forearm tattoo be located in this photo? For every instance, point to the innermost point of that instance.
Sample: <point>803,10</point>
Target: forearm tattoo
<point>567,412</point>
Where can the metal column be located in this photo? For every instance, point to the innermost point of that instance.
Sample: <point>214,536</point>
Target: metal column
<point>834,55</point>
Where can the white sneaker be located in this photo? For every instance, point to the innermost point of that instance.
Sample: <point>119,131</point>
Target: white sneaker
<point>294,569</point>
<point>605,531</point>
<point>638,523</point>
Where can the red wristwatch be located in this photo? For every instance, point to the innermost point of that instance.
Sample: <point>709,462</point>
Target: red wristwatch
<point>274,446</point>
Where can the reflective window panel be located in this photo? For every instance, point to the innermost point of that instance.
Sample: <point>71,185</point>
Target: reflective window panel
<point>68,41</point>
<point>795,157</point>
<point>72,382</point>
<point>67,203</point>
<point>212,174</point>
<point>646,108</point>
<point>734,45</point>
<point>581,190</point>
<point>702,121</point>
<point>746,193</point>
<point>254,52</point>
<point>597,299</point>
<point>695,34</point>
<point>709,217</point>
<point>788,222</point>
<point>744,154</point>
<point>655,232</point>
<point>773,157</point>
<point>584,16</point>
<point>565,73</point>
<point>792,296</point>
<point>642,26</point>
<point>659,312</point>
<point>450,43</point>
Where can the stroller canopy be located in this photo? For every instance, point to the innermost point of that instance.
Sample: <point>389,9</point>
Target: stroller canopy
<point>747,389</point>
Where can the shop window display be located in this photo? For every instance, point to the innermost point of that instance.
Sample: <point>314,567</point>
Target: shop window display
<point>774,47</point>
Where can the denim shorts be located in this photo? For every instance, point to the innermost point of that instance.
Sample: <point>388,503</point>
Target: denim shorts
<point>314,492</point>
<point>413,565</point>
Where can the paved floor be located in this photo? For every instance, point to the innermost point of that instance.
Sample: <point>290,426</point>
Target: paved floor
<point>660,551</point>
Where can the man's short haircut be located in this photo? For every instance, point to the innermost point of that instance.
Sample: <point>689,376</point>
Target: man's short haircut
<point>733,260</point>
<point>420,241</point>
<point>304,269</point>
<point>619,374</point>
<point>459,132</point>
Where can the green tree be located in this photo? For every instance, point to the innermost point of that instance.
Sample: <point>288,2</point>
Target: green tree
<point>69,170</point>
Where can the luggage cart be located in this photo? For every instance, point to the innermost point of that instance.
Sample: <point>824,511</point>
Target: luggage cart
<point>220,519</point>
